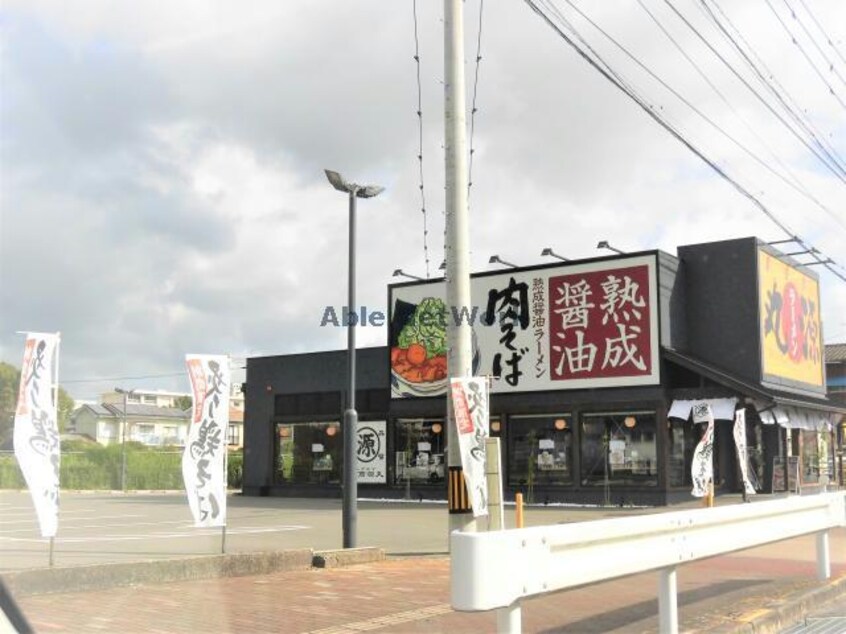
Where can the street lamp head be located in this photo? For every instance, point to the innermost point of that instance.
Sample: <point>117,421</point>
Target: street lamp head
<point>369,191</point>
<point>120,390</point>
<point>337,181</point>
<point>495,259</point>
<point>604,245</point>
<point>549,252</point>
<point>360,191</point>
<point>401,273</point>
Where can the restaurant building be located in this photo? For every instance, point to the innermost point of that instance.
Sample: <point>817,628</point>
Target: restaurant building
<point>595,367</point>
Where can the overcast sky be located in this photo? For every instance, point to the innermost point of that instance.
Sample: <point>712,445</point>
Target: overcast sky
<point>162,163</point>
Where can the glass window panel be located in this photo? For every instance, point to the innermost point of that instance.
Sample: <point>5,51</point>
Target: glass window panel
<point>619,449</point>
<point>420,451</point>
<point>540,450</point>
<point>308,453</point>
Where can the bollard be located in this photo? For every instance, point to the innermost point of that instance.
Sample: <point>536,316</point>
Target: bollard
<point>518,511</point>
<point>708,499</point>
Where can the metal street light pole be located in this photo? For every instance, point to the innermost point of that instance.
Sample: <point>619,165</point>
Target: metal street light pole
<point>350,480</point>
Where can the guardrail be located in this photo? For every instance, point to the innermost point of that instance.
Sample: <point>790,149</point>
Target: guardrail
<point>494,570</point>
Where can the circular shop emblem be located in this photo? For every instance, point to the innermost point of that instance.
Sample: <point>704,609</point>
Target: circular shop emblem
<point>369,444</point>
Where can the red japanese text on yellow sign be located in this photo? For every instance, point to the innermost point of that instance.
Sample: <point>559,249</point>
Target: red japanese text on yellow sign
<point>791,337</point>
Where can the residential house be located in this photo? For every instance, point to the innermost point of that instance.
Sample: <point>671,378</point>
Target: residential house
<point>147,424</point>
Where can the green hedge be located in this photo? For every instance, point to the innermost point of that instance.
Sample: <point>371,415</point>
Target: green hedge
<point>85,466</point>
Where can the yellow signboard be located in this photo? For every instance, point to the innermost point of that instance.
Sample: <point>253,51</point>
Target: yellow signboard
<point>791,337</point>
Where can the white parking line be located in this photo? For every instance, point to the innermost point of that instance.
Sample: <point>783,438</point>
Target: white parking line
<point>64,526</point>
<point>27,511</point>
<point>102,517</point>
<point>125,538</point>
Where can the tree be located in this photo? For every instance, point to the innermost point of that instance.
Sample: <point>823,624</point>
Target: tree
<point>65,409</point>
<point>183,402</point>
<point>10,379</point>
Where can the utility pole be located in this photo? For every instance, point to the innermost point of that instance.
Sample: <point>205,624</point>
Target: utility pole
<point>124,423</point>
<point>459,332</point>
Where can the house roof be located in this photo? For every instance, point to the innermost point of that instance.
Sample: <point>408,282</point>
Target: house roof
<point>835,353</point>
<point>98,410</point>
<point>147,411</point>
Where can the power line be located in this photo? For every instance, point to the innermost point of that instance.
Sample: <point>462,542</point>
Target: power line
<point>690,105</point>
<point>473,108</point>
<point>832,163</point>
<point>420,144</point>
<point>825,35</point>
<point>768,79</point>
<point>596,61</point>
<point>805,54</point>
<point>802,26</point>
<point>123,378</point>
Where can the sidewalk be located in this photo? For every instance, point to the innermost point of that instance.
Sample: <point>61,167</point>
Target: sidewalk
<point>730,593</point>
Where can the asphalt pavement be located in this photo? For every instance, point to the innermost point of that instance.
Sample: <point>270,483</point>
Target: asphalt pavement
<point>409,592</point>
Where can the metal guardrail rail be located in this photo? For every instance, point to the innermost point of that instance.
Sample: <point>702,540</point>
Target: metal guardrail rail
<point>494,570</point>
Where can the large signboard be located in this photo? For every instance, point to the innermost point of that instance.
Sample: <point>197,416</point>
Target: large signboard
<point>571,326</point>
<point>791,337</point>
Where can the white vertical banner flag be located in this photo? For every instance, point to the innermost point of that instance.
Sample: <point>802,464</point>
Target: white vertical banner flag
<point>702,466</point>
<point>470,402</point>
<point>204,458</point>
<point>740,444</point>
<point>36,435</point>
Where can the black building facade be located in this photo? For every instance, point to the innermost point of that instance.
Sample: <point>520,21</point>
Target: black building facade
<point>594,366</point>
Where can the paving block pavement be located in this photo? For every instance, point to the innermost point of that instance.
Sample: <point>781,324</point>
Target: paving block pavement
<point>727,594</point>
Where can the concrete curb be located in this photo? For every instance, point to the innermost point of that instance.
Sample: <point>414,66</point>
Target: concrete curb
<point>347,557</point>
<point>102,576</point>
<point>794,610</point>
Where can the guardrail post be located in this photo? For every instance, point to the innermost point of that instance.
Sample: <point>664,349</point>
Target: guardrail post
<point>668,611</point>
<point>509,620</point>
<point>823,556</point>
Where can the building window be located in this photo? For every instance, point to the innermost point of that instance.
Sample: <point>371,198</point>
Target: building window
<point>170,435</point>
<point>419,451</point>
<point>149,400</point>
<point>233,436</point>
<point>144,433</point>
<point>540,450</point>
<point>619,448</point>
<point>308,453</point>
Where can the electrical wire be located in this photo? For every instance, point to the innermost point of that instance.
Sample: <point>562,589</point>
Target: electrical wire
<point>805,54</point>
<point>473,108</point>
<point>831,67</point>
<point>822,154</point>
<point>124,378</point>
<point>767,77</point>
<point>690,105</point>
<point>825,35</point>
<point>420,142</point>
<point>590,55</point>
